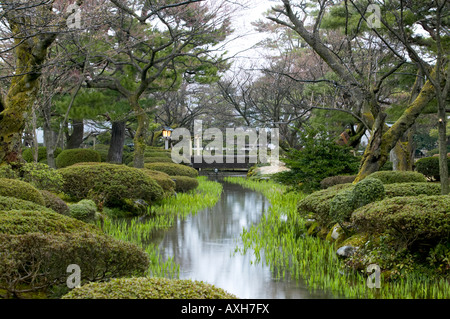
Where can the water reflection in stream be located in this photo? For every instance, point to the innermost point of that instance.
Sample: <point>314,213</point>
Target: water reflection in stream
<point>203,245</point>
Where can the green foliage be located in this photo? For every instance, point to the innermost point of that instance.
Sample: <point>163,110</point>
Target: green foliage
<point>42,176</point>
<point>27,154</point>
<point>163,180</point>
<point>84,210</point>
<point>109,184</point>
<point>342,206</point>
<point>149,288</point>
<point>38,261</point>
<point>6,171</point>
<point>336,180</point>
<point>429,166</point>
<point>367,191</point>
<point>319,158</point>
<point>152,153</point>
<point>388,177</point>
<point>40,220</point>
<point>439,257</point>
<point>21,190</point>
<point>172,169</point>
<point>12,203</point>
<point>184,183</point>
<point>164,159</point>
<point>73,156</point>
<point>412,189</point>
<point>318,203</point>
<point>55,203</point>
<point>408,219</point>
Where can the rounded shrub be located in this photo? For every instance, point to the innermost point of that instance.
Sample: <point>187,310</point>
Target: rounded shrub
<point>6,171</point>
<point>367,191</point>
<point>18,222</point>
<point>27,154</point>
<point>390,177</point>
<point>158,160</point>
<point>342,205</point>
<point>73,156</point>
<point>109,183</point>
<point>39,261</point>
<point>21,190</point>
<point>318,204</point>
<point>55,203</point>
<point>185,184</point>
<point>42,176</point>
<point>163,180</point>
<point>429,166</point>
<point>412,189</point>
<point>152,153</point>
<point>84,210</point>
<point>149,288</point>
<point>335,180</point>
<point>12,203</point>
<point>408,219</point>
<point>172,169</point>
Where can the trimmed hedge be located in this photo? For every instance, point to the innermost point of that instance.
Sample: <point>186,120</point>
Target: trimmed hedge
<point>84,210</point>
<point>390,177</point>
<point>21,190</point>
<point>73,156</point>
<point>172,169</point>
<point>318,203</point>
<point>336,180</point>
<point>163,180</point>
<point>408,219</point>
<point>55,203</point>
<point>42,176</point>
<point>12,203</point>
<point>158,160</point>
<point>149,288</point>
<point>367,191</point>
<point>149,154</point>
<point>27,154</point>
<point>412,189</point>
<point>109,183</point>
<point>185,184</point>
<point>37,261</point>
<point>429,166</point>
<point>19,222</point>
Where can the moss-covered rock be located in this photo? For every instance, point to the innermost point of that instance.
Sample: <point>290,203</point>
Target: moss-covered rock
<point>73,156</point>
<point>149,288</point>
<point>21,190</point>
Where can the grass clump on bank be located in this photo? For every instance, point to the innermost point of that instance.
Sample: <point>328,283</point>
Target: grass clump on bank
<point>283,244</point>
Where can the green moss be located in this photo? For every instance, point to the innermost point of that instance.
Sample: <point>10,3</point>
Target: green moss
<point>149,288</point>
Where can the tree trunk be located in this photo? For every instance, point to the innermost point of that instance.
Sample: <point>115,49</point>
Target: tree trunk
<point>115,152</point>
<point>383,141</point>
<point>76,138</point>
<point>141,132</point>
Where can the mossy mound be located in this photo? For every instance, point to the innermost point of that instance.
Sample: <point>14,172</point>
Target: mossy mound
<point>73,156</point>
<point>390,177</point>
<point>163,180</point>
<point>149,288</point>
<point>21,190</point>
<point>172,169</point>
<point>55,203</point>
<point>185,184</point>
<point>12,203</point>
<point>18,222</point>
<point>412,189</point>
<point>109,183</point>
<point>84,210</point>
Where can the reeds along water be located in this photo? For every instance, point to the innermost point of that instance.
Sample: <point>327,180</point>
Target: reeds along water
<point>281,236</point>
<point>140,231</point>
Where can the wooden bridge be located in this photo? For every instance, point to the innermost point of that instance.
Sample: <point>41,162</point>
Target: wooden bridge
<point>227,162</point>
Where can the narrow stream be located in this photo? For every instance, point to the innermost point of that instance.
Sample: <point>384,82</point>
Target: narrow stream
<point>204,245</point>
